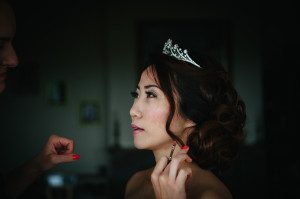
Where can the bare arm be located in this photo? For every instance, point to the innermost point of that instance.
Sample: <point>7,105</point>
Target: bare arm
<point>56,150</point>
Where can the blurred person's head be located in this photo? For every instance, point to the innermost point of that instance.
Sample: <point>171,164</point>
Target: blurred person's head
<point>8,57</point>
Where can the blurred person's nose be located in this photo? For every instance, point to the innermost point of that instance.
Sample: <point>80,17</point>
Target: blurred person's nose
<point>9,57</point>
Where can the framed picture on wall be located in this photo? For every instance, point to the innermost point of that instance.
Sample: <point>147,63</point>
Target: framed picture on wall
<point>89,112</point>
<point>210,37</point>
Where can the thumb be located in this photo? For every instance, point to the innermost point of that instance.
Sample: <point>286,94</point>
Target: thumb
<point>56,159</point>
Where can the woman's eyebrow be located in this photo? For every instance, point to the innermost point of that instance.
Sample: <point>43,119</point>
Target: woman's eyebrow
<point>148,86</point>
<point>151,85</point>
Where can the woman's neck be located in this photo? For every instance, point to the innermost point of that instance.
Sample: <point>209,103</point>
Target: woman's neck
<point>166,150</point>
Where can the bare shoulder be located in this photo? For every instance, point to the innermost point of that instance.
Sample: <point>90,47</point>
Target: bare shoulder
<point>214,194</point>
<point>135,181</point>
<point>205,185</point>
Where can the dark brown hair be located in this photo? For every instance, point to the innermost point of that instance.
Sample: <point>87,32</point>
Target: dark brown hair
<point>206,97</point>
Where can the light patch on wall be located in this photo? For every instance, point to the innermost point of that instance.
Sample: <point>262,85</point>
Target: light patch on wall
<point>56,92</point>
<point>89,112</point>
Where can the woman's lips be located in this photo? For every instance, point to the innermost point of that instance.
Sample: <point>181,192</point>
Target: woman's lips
<point>136,129</point>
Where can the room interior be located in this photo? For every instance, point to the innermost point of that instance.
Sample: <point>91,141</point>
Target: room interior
<point>79,62</point>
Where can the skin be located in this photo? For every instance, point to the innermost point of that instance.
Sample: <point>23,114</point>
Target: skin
<point>8,57</point>
<point>57,149</point>
<point>150,111</point>
<point>179,179</point>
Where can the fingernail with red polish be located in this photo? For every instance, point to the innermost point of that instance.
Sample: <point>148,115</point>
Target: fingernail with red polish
<point>76,157</point>
<point>185,147</point>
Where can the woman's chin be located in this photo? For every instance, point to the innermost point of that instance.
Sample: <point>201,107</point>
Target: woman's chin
<point>141,144</point>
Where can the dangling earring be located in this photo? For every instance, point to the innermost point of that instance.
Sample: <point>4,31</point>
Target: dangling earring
<point>172,151</point>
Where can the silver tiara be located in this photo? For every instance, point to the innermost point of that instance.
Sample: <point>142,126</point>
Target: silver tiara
<point>175,51</point>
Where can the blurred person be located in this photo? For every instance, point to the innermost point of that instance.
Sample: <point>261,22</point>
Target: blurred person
<point>56,150</point>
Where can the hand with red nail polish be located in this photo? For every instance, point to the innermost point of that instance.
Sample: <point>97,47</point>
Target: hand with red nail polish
<point>56,150</point>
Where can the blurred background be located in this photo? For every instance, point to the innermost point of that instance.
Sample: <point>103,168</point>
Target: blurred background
<point>79,62</point>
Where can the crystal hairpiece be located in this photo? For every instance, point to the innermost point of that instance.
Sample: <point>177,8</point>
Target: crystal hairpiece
<point>175,51</point>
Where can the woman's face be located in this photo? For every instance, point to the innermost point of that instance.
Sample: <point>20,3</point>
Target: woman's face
<point>149,114</point>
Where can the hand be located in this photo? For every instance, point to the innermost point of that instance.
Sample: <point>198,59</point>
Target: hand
<point>56,150</point>
<point>169,180</point>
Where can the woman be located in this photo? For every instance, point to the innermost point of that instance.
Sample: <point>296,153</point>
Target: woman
<point>188,113</point>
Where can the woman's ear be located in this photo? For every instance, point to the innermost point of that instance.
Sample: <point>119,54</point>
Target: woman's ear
<point>189,123</point>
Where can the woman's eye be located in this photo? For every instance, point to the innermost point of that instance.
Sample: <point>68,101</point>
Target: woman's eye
<point>134,94</point>
<point>150,94</point>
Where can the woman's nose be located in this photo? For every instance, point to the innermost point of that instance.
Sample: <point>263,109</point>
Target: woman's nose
<point>135,111</point>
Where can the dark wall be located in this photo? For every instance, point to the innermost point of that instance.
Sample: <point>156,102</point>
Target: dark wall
<point>281,85</point>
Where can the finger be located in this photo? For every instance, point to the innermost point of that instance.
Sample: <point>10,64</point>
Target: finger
<point>56,159</point>
<point>175,164</point>
<point>160,166</point>
<point>184,151</point>
<point>67,143</point>
<point>158,169</point>
<point>62,145</point>
<point>68,146</point>
<point>182,177</point>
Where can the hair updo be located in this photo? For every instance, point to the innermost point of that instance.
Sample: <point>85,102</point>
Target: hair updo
<point>207,97</point>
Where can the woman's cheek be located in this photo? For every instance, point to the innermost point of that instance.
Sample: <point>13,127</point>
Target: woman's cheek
<point>158,115</point>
